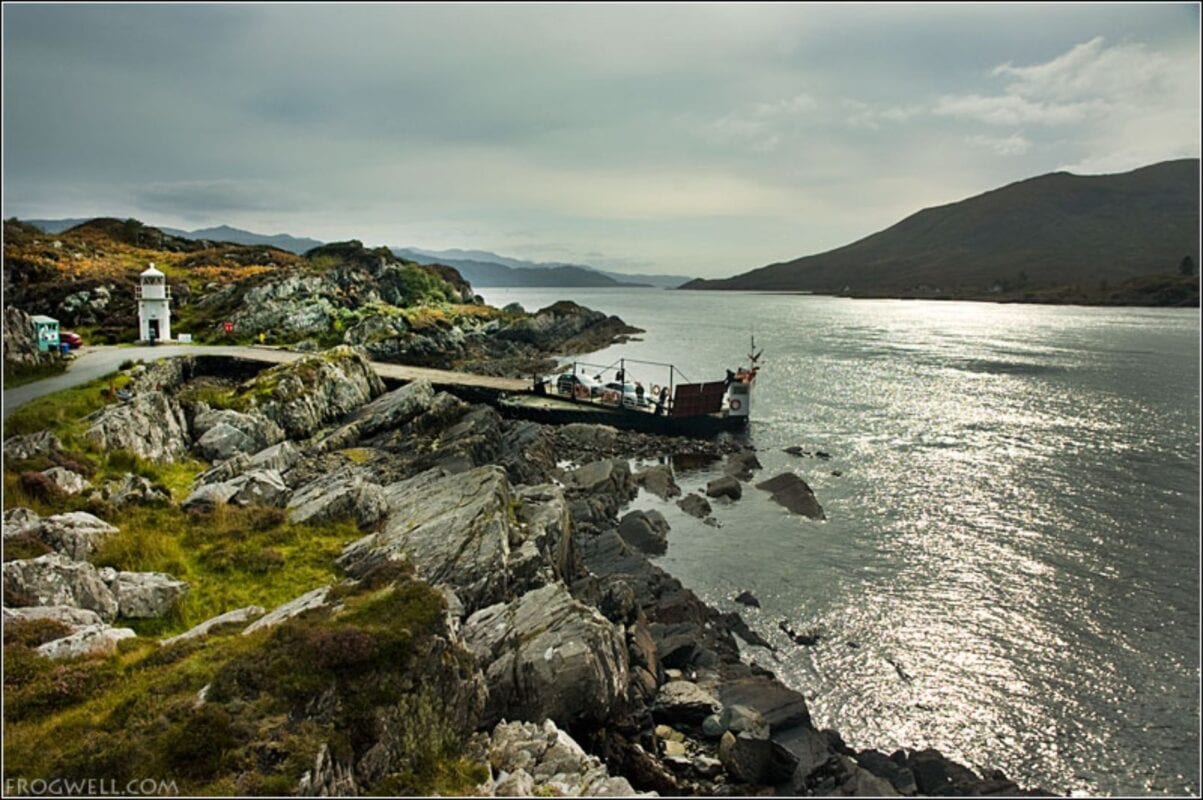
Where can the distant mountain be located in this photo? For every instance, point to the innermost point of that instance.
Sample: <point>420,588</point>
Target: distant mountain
<point>55,225</point>
<point>453,256</point>
<point>221,233</point>
<point>224,233</point>
<point>487,273</point>
<point>1056,230</point>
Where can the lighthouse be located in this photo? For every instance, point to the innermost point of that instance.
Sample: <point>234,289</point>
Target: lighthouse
<point>154,306</point>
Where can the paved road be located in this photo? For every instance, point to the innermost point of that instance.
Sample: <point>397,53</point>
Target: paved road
<point>93,362</point>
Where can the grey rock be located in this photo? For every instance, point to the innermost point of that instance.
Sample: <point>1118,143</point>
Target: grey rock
<point>19,520</point>
<point>280,457</point>
<point>55,580</point>
<point>659,481</point>
<point>210,495</point>
<point>67,481</point>
<point>725,486</point>
<point>694,505</point>
<point>225,433</point>
<point>237,616</point>
<point>315,390</point>
<point>93,640</point>
<point>146,595</point>
<point>743,719</point>
<point>42,443</point>
<point>133,489</point>
<point>549,656</point>
<point>76,534</point>
<point>262,487</point>
<point>460,530</point>
<point>712,726</point>
<point>746,757</point>
<point>70,616</point>
<point>395,408</point>
<point>684,702</point>
<point>582,438</point>
<point>791,491</point>
<point>151,425</point>
<point>740,465</point>
<point>330,777</point>
<point>646,531</point>
<point>299,605</point>
<point>343,495</point>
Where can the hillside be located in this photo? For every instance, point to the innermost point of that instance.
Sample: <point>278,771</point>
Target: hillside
<point>219,234</point>
<point>1080,233</point>
<point>486,273</point>
<point>470,258</point>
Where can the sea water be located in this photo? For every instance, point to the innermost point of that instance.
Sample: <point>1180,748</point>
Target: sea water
<point>1009,568</point>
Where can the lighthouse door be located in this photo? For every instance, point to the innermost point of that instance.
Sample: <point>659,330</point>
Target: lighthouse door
<point>154,329</point>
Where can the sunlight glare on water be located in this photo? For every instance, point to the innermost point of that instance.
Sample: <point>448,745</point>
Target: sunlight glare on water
<point>1009,567</point>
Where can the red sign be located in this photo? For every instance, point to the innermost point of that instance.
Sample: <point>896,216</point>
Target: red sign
<point>229,326</point>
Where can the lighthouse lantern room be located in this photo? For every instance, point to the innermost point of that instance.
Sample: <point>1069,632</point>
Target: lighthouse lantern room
<point>154,306</point>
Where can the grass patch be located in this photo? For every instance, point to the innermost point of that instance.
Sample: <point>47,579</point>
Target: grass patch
<point>135,714</point>
<point>63,412</point>
<point>231,558</point>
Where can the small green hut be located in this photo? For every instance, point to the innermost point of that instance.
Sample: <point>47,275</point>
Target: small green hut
<point>46,331</point>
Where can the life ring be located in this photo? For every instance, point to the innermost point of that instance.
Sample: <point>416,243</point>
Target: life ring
<point>581,391</point>
<point>610,396</point>
<point>735,404</point>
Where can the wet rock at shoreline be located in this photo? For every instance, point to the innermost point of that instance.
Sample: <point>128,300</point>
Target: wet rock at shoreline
<point>741,465</point>
<point>747,599</point>
<point>726,486</point>
<point>790,491</point>
<point>646,531</point>
<point>659,481</point>
<point>694,505</point>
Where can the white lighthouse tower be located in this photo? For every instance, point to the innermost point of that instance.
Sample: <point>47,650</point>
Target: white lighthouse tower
<point>154,306</point>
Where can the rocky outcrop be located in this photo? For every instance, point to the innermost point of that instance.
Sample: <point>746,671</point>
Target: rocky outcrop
<point>20,342</point>
<point>42,443</point>
<point>548,656</point>
<point>307,602</point>
<point>683,702</point>
<point>55,580</point>
<point>70,617</point>
<point>304,395</point>
<point>143,595</point>
<point>541,760</point>
<point>343,495</point>
<point>224,433</point>
<point>93,640</point>
<point>239,616</point>
<point>151,425</point>
<point>789,490</point>
<point>68,482</point>
<point>76,534</point>
<point>132,489</point>
<point>459,530</point>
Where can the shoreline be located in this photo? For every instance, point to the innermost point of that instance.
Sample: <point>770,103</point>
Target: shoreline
<point>688,715</point>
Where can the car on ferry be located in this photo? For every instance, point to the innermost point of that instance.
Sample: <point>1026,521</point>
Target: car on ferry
<point>568,382</point>
<point>630,397</point>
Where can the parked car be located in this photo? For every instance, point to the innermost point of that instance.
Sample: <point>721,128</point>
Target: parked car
<point>568,381</point>
<point>71,338</point>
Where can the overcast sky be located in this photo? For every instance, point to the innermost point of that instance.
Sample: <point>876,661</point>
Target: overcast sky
<point>702,139</point>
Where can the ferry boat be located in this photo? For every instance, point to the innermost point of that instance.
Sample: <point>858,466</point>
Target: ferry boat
<point>616,395</point>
